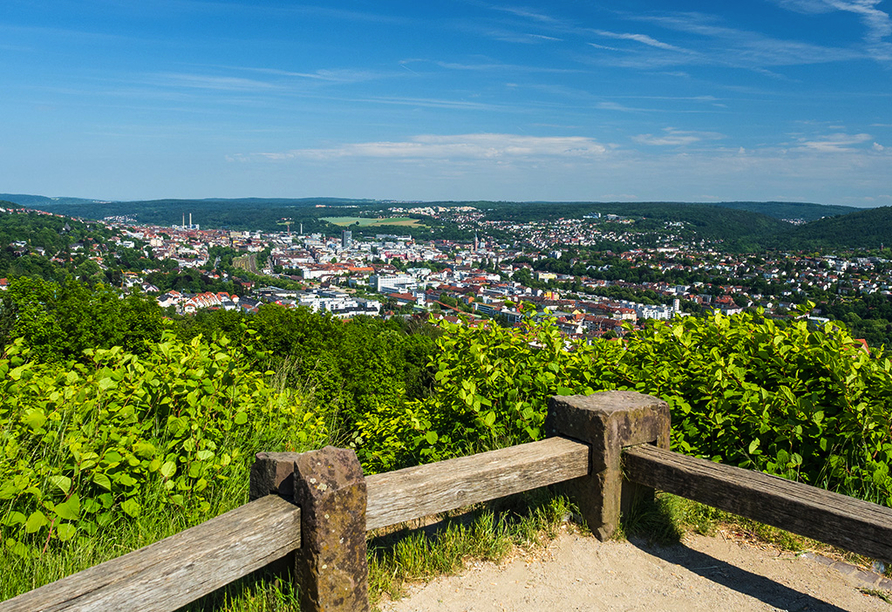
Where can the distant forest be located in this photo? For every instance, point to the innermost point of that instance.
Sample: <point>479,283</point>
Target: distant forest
<point>741,226</point>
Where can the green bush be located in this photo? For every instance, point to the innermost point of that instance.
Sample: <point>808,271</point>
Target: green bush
<point>804,402</point>
<point>807,403</point>
<point>491,386</point>
<point>86,445</point>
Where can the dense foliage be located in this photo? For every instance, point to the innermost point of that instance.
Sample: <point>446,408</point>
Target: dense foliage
<point>350,367</point>
<point>868,228</point>
<point>83,446</point>
<point>797,401</point>
<point>59,321</point>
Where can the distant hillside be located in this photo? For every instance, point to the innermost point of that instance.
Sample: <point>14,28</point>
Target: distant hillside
<point>37,201</point>
<point>867,228</point>
<point>790,210</point>
<point>740,229</point>
<point>740,225</point>
<point>264,214</point>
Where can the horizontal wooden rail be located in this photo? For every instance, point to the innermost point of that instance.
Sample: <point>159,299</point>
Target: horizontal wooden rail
<point>852,524</point>
<point>411,493</point>
<point>177,570</point>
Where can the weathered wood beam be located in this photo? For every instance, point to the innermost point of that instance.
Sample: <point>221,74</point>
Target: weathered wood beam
<point>852,524</point>
<point>411,493</point>
<point>177,570</point>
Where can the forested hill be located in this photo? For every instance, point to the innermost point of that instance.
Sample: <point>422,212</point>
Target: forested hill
<point>739,229</point>
<point>741,226</point>
<point>38,201</point>
<point>790,210</point>
<point>867,229</point>
<point>263,214</point>
<point>546,210</point>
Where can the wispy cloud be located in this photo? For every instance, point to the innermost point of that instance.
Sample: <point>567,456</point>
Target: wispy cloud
<point>745,48</point>
<point>500,66</point>
<point>337,75</point>
<point>526,13</point>
<point>676,138</point>
<point>457,147</point>
<point>605,47</point>
<point>877,23</point>
<point>203,81</point>
<point>434,103</point>
<point>833,143</point>
<point>644,39</point>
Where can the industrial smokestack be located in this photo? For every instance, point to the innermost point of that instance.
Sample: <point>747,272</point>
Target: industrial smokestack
<point>190,220</point>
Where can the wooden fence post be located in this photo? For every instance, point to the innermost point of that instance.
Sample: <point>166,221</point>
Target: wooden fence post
<point>607,421</point>
<point>331,566</point>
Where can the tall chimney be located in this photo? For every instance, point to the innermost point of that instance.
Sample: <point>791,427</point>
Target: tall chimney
<point>190,220</point>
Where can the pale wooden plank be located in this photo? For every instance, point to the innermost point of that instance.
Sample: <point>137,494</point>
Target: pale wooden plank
<point>177,570</point>
<point>852,524</point>
<point>403,495</point>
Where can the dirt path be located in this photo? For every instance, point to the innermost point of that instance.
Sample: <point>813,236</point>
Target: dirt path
<point>578,573</point>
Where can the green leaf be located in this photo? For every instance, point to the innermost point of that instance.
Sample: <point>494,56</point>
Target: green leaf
<point>69,509</point>
<point>431,437</point>
<point>204,455</point>
<point>489,419</point>
<point>36,522</point>
<point>125,479</point>
<point>63,482</point>
<point>168,469</point>
<point>131,507</point>
<point>241,418</point>
<point>102,480</point>
<point>112,457</point>
<point>34,419</point>
<point>753,446</point>
<point>19,549</point>
<point>65,532</point>
<point>13,518</point>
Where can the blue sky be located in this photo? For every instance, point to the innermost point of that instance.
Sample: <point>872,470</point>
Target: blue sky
<point>463,100</point>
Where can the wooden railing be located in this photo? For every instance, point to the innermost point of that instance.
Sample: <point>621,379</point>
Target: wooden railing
<point>606,449</point>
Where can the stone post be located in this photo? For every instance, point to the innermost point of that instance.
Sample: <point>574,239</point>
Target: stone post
<point>331,566</point>
<point>607,421</point>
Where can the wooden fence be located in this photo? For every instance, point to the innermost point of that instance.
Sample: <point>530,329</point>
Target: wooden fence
<point>605,450</point>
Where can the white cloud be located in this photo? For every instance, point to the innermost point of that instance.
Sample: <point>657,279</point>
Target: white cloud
<point>878,147</point>
<point>527,13</point>
<point>458,147</point>
<point>834,142</point>
<point>597,46</point>
<point>743,48</point>
<point>674,137</point>
<point>644,39</point>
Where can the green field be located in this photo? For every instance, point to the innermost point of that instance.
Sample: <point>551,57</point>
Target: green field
<point>370,222</point>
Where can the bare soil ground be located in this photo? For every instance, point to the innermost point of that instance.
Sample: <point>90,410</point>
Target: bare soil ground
<point>577,573</point>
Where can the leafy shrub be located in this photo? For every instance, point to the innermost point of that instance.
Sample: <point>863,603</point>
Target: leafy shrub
<point>803,402</point>
<point>491,386</point>
<point>794,400</point>
<point>85,445</point>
